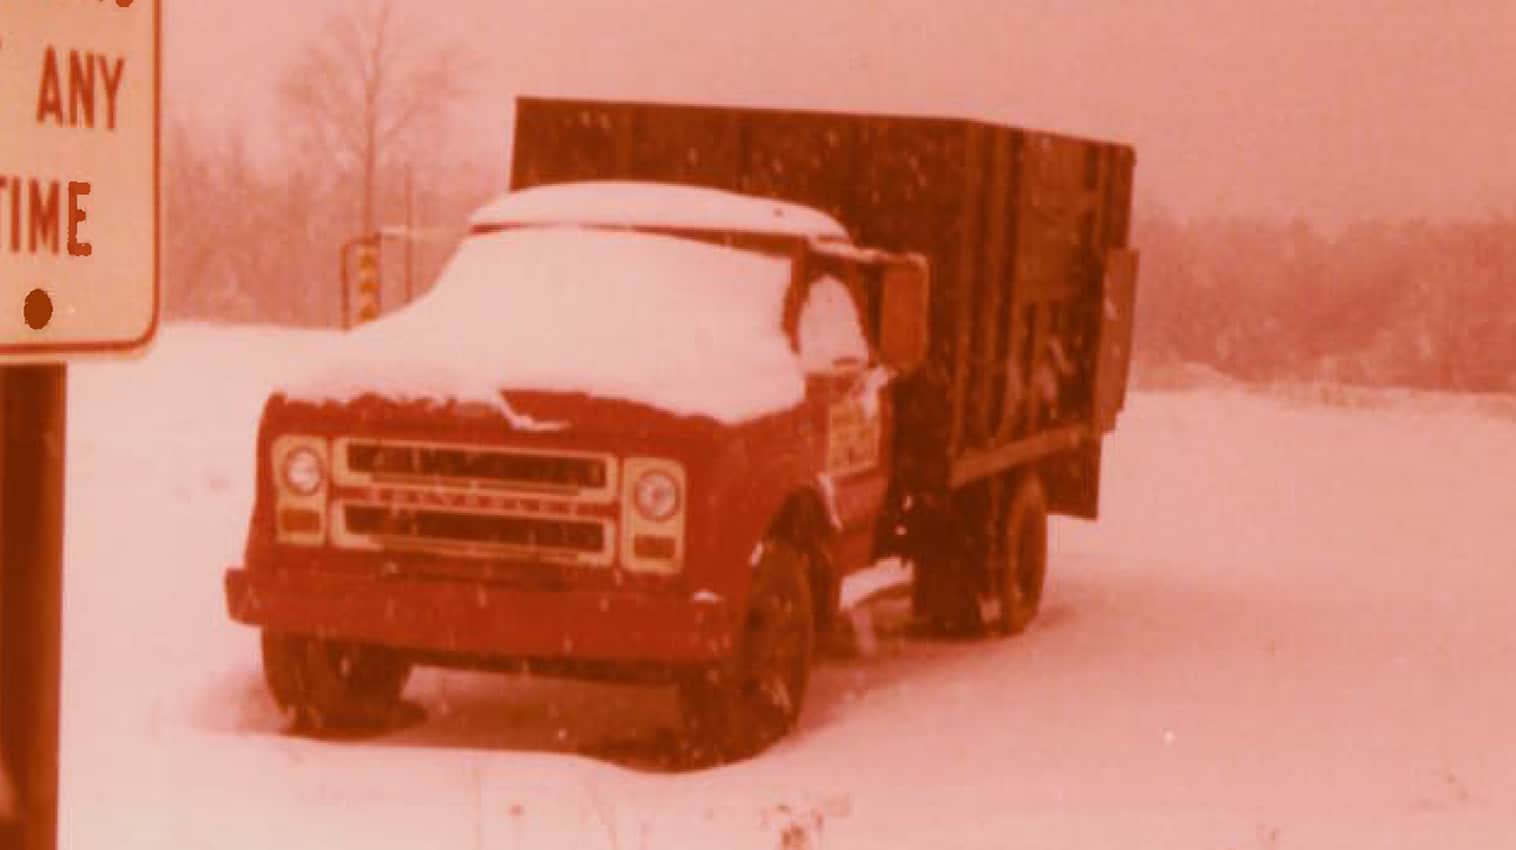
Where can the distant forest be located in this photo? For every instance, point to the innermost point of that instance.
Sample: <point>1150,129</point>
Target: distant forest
<point>1411,303</point>
<point>250,240</point>
<point>363,127</point>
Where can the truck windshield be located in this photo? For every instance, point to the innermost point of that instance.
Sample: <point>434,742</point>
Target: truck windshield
<point>606,284</point>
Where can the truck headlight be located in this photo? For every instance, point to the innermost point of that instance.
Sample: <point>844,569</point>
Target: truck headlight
<point>652,524</point>
<point>304,472</point>
<point>298,478</point>
<point>656,495</point>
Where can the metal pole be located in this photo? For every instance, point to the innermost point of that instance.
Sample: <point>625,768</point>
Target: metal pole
<point>32,430</point>
<point>410,233</point>
<point>341,284</point>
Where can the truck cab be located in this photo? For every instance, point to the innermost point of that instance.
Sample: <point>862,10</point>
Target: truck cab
<point>636,431</point>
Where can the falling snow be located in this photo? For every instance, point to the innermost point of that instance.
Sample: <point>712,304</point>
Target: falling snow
<point>1290,628</point>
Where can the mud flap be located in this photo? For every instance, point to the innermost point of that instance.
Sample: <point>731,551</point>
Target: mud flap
<point>1072,481</point>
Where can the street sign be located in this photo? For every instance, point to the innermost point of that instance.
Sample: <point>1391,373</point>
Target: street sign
<point>79,104</point>
<point>366,259</point>
<point>361,278</point>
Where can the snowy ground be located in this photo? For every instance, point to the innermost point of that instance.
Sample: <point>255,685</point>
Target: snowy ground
<point>1291,629</point>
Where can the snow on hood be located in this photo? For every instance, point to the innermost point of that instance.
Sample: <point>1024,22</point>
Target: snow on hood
<point>626,203</point>
<point>681,325</point>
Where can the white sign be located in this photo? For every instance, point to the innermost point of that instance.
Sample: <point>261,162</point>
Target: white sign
<point>79,88</point>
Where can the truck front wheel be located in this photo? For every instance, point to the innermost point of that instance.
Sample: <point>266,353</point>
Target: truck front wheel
<point>330,685</point>
<point>1024,556</point>
<point>741,707</point>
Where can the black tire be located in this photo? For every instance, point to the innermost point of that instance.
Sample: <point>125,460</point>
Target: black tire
<point>947,597</point>
<point>743,706</point>
<point>950,559</point>
<point>332,685</point>
<point>1023,556</point>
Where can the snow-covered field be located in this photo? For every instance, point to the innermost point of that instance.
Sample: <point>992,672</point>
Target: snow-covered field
<point>1292,628</point>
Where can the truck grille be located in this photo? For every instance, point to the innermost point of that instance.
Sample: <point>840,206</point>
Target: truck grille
<point>479,534</point>
<point>436,464</point>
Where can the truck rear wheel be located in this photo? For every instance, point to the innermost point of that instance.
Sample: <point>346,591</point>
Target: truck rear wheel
<point>951,562</point>
<point>1023,556</point>
<point>743,706</point>
<point>946,597</point>
<point>331,685</point>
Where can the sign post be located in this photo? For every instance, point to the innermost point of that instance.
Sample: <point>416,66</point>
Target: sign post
<point>79,101</point>
<point>31,595</point>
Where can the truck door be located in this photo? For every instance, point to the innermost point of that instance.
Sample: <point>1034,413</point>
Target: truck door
<point>851,390</point>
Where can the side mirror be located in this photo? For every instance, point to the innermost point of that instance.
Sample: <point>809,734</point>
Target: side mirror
<point>903,314</point>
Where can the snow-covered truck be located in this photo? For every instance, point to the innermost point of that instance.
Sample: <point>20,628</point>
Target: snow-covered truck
<point>699,367</point>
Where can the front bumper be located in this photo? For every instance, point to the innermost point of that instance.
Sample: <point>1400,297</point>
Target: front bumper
<point>483,619</point>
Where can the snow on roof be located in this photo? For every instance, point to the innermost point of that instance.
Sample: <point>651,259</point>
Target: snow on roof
<point>681,325</point>
<point>647,204</point>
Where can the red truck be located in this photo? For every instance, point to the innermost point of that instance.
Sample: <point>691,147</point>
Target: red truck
<point>698,367</point>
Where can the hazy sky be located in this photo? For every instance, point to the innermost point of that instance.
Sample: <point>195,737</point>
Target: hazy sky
<point>1327,110</point>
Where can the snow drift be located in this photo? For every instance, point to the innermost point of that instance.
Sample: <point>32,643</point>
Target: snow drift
<point>1289,629</point>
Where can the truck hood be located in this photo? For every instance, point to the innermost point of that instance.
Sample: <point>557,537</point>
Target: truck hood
<point>689,328</point>
<point>522,417</point>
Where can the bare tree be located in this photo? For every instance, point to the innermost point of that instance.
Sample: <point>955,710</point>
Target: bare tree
<point>366,88</point>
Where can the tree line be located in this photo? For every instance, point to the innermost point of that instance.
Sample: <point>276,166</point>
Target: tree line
<point>1406,303</point>
<point>257,238</point>
<point>363,146</point>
